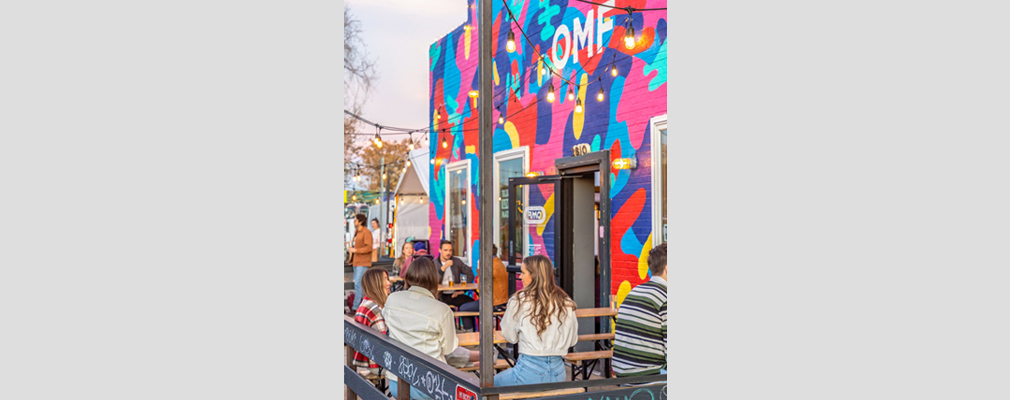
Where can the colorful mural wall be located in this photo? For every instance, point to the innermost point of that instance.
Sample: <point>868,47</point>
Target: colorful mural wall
<point>583,42</point>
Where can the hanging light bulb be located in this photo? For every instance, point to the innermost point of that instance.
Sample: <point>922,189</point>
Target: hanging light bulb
<point>550,93</point>
<point>570,94</point>
<point>510,44</point>
<point>599,96</point>
<point>501,119</point>
<point>383,175</point>
<point>432,161</point>
<point>408,162</point>
<point>445,144</point>
<point>473,94</point>
<point>578,106</point>
<point>410,141</point>
<point>378,140</point>
<point>613,70</point>
<point>629,37</point>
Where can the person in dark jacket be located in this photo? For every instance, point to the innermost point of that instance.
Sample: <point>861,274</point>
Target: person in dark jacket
<point>452,268</point>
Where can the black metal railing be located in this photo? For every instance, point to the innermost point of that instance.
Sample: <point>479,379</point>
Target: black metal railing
<point>442,382</point>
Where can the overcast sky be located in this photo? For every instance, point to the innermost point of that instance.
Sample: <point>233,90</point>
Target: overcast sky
<point>398,34</point>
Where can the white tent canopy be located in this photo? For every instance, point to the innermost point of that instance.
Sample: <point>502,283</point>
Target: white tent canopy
<point>412,201</point>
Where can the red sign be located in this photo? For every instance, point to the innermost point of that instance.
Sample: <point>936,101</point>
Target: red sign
<point>463,393</point>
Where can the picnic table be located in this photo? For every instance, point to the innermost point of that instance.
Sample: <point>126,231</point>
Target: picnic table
<point>457,286</point>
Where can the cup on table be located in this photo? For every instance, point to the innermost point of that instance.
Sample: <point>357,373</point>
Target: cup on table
<point>462,280</point>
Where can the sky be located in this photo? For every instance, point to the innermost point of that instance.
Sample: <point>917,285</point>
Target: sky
<point>398,34</point>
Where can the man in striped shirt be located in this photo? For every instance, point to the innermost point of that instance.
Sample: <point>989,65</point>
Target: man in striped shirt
<point>640,343</point>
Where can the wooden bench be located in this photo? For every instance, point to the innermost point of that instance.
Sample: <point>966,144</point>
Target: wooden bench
<point>596,336</point>
<point>537,395</point>
<point>585,362</point>
<point>499,364</point>
<point>458,314</point>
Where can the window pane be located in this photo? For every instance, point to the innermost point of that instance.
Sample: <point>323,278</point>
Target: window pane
<point>458,206</point>
<point>508,169</point>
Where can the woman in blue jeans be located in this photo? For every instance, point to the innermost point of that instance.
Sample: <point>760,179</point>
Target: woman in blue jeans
<point>541,318</point>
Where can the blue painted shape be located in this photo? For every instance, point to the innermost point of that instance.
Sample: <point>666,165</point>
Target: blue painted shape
<point>596,143</point>
<point>630,244</point>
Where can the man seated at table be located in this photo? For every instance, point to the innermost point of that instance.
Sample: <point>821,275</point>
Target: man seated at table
<point>452,268</point>
<point>500,284</point>
<point>640,343</point>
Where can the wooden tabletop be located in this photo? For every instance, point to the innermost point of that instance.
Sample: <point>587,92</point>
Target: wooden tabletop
<point>595,312</point>
<point>395,278</point>
<point>471,339</point>
<point>468,286</point>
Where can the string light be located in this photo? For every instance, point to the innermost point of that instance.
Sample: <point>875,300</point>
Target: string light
<point>378,140</point>
<point>599,96</point>
<point>613,70</point>
<point>570,94</point>
<point>629,34</point>
<point>550,93</point>
<point>473,94</point>
<point>501,116</point>
<point>510,44</point>
<point>445,144</point>
<point>410,142</point>
<point>383,175</point>
<point>408,162</point>
<point>578,106</point>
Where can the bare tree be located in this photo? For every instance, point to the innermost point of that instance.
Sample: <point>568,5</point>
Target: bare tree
<point>359,78</point>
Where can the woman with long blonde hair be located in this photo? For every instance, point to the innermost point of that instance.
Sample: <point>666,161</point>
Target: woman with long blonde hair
<point>541,318</point>
<point>375,284</point>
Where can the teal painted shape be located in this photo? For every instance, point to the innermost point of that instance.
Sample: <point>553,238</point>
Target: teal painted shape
<point>596,143</point>
<point>544,19</point>
<point>630,244</point>
<point>451,78</point>
<point>659,65</point>
<point>434,53</point>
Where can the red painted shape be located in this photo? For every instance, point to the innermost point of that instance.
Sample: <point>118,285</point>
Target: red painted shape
<point>615,153</point>
<point>463,393</point>
<point>626,216</point>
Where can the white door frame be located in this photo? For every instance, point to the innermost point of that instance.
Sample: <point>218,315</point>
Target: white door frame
<point>506,155</point>
<point>449,169</point>
<point>657,124</point>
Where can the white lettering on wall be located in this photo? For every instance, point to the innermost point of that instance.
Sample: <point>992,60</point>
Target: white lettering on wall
<point>603,25</point>
<point>582,38</point>
<point>559,63</point>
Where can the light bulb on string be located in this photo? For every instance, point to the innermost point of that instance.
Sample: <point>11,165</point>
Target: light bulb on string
<point>613,70</point>
<point>408,162</point>
<point>578,106</point>
<point>411,141</point>
<point>501,116</point>
<point>383,175</point>
<point>550,93</point>
<point>445,144</point>
<point>599,96</point>
<point>510,44</point>
<point>570,94</point>
<point>378,140</point>
<point>629,34</point>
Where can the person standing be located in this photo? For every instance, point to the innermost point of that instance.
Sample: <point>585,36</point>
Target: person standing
<point>361,255</point>
<point>452,268</point>
<point>640,337</point>
<point>541,318</point>
<point>376,239</point>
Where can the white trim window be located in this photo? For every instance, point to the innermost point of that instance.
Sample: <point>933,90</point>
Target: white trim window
<point>659,179</point>
<point>457,208</point>
<point>513,158</point>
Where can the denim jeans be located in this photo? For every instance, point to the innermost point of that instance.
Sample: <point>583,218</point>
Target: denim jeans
<point>532,369</point>
<point>414,393</point>
<point>358,272</point>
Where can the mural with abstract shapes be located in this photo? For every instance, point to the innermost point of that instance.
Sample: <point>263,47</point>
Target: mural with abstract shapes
<point>584,43</point>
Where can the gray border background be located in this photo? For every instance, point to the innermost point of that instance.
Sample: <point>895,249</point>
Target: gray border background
<point>170,200</point>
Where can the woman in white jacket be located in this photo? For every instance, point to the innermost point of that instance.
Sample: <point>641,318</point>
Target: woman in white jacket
<point>541,318</point>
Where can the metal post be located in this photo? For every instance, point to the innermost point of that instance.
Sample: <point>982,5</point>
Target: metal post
<point>349,357</point>
<point>382,192</point>
<point>486,190</point>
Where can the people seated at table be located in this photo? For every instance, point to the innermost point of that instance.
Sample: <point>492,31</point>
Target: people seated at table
<point>401,263</point>
<point>375,284</point>
<point>500,293</point>
<point>541,318</point>
<point>415,318</point>
<point>451,269</point>
<point>640,337</point>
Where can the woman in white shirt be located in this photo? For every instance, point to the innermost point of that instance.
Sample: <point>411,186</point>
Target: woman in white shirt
<point>415,318</point>
<point>541,318</point>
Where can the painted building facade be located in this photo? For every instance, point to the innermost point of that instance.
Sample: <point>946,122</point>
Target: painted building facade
<point>584,43</point>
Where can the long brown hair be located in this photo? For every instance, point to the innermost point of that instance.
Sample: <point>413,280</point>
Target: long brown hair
<point>373,283</point>
<point>422,272</point>
<point>545,296</point>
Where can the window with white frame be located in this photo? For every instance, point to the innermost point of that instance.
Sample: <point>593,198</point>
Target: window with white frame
<point>457,208</point>
<point>659,175</point>
<point>508,164</point>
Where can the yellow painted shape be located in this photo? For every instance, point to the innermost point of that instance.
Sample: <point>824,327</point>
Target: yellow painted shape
<point>548,211</point>
<point>540,64</point>
<point>466,44</point>
<point>622,292</point>
<point>513,133</point>
<point>579,119</point>
<point>495,69</point>
<point>471,149</point>
<point>643,260</point>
